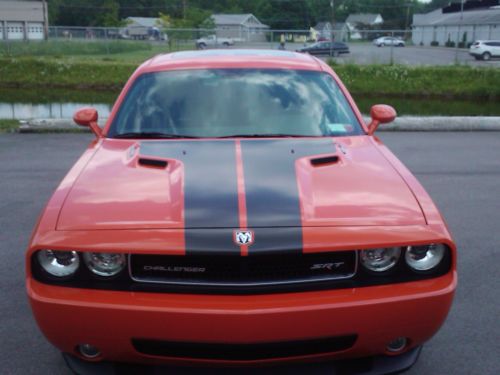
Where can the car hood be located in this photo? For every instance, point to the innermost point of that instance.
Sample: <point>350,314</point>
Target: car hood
<point>282,182</point>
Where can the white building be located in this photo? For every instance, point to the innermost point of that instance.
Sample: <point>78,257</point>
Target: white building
<point>355,22</point>
<point>23,20</point>
<point>240,27</point>
<point>440,28</point>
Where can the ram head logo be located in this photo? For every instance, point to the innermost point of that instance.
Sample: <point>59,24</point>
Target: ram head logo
<point>243,237</point>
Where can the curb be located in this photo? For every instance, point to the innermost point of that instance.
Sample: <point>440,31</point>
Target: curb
<point>403,123</point>
<point>442,123</point>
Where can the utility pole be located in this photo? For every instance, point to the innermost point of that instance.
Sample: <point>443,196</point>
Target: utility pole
<point>407,20</point>
<point>332,8</point>
<point>45,20</point>
<point>458,31</point>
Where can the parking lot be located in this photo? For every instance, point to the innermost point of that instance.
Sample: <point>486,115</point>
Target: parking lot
<point>367,53</point>
<point>461,171</point>
<point>412,55</point>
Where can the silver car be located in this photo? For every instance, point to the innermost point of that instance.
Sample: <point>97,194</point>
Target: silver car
<point>388,41</point>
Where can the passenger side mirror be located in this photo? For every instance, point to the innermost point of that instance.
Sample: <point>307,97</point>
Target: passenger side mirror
<point>88,116</point>
<point>380,114</point>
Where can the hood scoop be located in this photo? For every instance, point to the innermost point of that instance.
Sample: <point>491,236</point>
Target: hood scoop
<point>325,160</point>
<point>152,163</point>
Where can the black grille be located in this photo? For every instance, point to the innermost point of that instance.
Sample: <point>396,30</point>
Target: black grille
<point>220,270</point>
<point>243,352</point>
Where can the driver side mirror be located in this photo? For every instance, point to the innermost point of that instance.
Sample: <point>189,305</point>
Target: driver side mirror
<point>380,114</point>
<point>88,116</point>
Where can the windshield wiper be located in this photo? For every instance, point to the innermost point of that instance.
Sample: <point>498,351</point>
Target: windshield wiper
<point>267,135</point>
<point>152,135</point>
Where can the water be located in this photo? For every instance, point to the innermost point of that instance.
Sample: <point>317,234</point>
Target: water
<point>56,104</point>
<point>25,111</point>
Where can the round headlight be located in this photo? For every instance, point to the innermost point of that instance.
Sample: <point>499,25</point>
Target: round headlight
<point>59,263</point>
<point>105,264</point>
<point>426,257</point>
<point>381,259</point>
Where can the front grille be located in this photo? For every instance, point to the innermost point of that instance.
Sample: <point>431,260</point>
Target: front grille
<point>236,271</point>
<point>243,352</point>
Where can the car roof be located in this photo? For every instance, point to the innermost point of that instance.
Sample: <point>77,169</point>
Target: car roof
<point>231,58</point>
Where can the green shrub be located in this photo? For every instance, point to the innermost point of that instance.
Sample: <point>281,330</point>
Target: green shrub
<point>434,43</point>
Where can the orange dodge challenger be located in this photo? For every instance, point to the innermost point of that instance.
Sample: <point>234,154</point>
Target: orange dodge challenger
<point>235,210</point>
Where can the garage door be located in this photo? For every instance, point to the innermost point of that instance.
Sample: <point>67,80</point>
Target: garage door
<point>15,31</point>
<point>35,31</point>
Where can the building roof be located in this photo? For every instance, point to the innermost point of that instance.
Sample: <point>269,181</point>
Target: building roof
<point>236,19</point>
<point>322,25</point>
<point>13,10</point>
<point>470,17</point>
<point>144,21</point>
<point>339,25</point>
<point>366,18</point>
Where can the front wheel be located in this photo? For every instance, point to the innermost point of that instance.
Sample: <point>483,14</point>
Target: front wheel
<point>486,56</point>
<point>225,44</point>
<point>202,46</point>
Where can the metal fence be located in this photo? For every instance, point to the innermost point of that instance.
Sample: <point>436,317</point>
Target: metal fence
<point>145,42</point>
<point>239,35</point>
<point>108,41</point>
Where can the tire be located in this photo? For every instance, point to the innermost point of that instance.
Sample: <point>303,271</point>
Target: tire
<point>225,44</point>
<point>382,45</point>
<point>202,46</point>
<point>401,45</point>
<point>486,56</point>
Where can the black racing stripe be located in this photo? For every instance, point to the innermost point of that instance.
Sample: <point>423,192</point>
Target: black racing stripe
<point>210,191</point>
<point>272,197</point>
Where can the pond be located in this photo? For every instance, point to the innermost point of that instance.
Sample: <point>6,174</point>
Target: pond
<point>51,103</point>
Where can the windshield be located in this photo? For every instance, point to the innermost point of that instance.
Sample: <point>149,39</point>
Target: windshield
<point>234,102</point>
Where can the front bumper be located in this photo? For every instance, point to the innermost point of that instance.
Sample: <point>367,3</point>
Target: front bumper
<point>110,320</point>
<point>376,365</point>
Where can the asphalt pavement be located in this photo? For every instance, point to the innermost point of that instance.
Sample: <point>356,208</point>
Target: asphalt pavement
<point>460,170</point>
<point>366,53</point>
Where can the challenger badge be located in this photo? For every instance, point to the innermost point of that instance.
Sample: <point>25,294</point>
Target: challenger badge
<point>243,237</point>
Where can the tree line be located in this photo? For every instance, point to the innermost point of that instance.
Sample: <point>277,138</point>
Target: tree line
<point>278,14</point>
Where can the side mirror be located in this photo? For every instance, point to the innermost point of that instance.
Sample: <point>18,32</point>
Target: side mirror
<point>380,114</point>
<point>88,116</point>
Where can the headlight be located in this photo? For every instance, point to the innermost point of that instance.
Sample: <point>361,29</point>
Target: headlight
<point>381,259</point>
<point>426,257</point>
<point>59,263</point>
<point>105,264</point>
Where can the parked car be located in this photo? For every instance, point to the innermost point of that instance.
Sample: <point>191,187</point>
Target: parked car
<point>485,49</point>
<point>213,41</point>
<point>237,210</point>
<point>388,41</point>
<point>325,48</point>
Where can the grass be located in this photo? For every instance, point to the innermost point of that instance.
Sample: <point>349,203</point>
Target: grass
<point>110,72</point>
<point>71,72</point>
<point>407,81</point>
<point>8,126</point>
<point>67,47</point>
<point>113,50</point>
